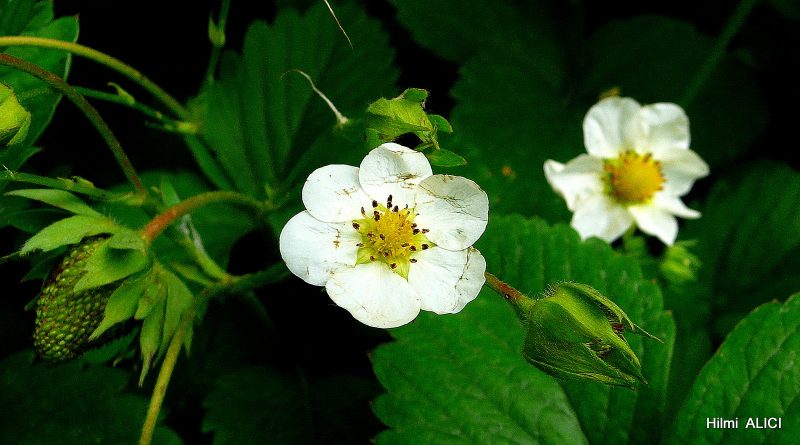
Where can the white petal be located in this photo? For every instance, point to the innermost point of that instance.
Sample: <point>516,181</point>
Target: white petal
<point>654,221</point>
<point>601,217</point>
<point>454,209</point>
<point>578,179</point>
<point>333,194</point>
<point>681,168</point>
<point>392,169</point>
<point>447,280</point>
<point>607,126</point>
<point>313,250</point>
<point>674,205</point>
<point>660,128</point>
<point>374,295</point>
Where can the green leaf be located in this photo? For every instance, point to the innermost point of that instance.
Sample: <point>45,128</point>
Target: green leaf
<point>261,121</point>
<point>728,112</point>
<point>127,240</point>
<point>445,158</point>
<point>70,404</point>
<point>29,18</point>
<point>107,265</point>
<point>457,30</point>
<point>263,405</point>
<point>58,198</point>
<point>463,379</point>
<point>69,231</point>
<point>752,374</point>
<point>121,304</point>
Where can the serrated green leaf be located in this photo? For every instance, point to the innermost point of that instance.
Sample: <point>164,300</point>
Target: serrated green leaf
<point>264,405</point>
<point>121,304</point>
<point>260,122</point>
<point>24,17</point>
<point>57,198</point>
<point>753,374</point>
<point>107,265</point>
<point>69,231</point>
<point>462,378</point>
<point>150,337</point>
<point>70,404</point>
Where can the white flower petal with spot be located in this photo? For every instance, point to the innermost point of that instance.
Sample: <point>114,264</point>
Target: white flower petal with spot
<point>392,169</point>
<point>374,295</point>
<point>447,280</point>
<point>618,125</point>
<point>313,250</point>
<point>333,194</point>
<point>454,209</point>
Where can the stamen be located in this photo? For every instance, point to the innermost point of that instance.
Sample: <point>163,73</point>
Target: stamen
<point>415,231</point>
<point>363,212</point>
<point>374,203</point>
<point>425,247</point>
<point>356,225</point>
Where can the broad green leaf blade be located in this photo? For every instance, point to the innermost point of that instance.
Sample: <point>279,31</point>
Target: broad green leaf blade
<point>752,375</point>
<point>462,378</point>
<point>24,17</point>
<point>70,404</point>
<point>107,265</point>
<point>264,405</point>
<point>57,198</point>
<point>262,118</point>
<point>728,112</point>
<point>68,231</point>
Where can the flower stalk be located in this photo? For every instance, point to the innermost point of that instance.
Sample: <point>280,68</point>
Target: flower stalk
<point>91,113</point>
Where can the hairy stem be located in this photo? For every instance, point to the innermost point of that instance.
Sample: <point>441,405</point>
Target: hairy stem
<point>504,289</point>
<point>94,117</point>
<point>104,59</point>
<point>718,50</point>
<point>76,185</point>
<point>132,103</point>
<point>172,214</point>
<point>219,42</point>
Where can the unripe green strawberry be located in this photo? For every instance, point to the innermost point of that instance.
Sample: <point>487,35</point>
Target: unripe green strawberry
<point>65,319</point>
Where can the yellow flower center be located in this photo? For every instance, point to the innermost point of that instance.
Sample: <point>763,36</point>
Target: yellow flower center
<point>389,234</point>
<point>633,178</point>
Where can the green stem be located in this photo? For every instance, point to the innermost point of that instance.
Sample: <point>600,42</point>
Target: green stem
<point>504,289</point>
<point>235,285</point>
<point>76,185</point>
<point>718,50</point>
<point>104,59</point>
<point>129,102</point>
<point>172,214</point>
<point>94,117</point>
<point>219,42</point>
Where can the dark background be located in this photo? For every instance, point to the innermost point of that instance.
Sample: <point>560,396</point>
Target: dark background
<point>167,41</point>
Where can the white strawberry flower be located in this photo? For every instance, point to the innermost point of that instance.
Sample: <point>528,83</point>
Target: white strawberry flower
<point>639,165</point>
<point>389,238</point>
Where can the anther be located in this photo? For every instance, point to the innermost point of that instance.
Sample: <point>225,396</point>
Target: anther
<point>356,225</point>
<point>390,199</point>
<point>393,265</point>
<point>415,231</point>
<point>374,203</point>
<point>425,230</point>
<point>362,211</point>
<point>413,260</point>
<point>425,247</point>
<point>371,258</point>
<point>395,209</point>
<point>386,254</point>
<point>404,245</point>
<point>413,225</point>
<point>382,237</point>
<point>377,216</point>
<point>413,248</point>
<point>360,245</point>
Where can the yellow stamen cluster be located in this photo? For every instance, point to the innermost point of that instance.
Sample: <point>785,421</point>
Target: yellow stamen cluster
<point>633,178</point>
<point>389,234</point>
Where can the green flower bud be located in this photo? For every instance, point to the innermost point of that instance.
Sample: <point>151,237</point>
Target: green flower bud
<point>15,120</point>
<point>576,332</point>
